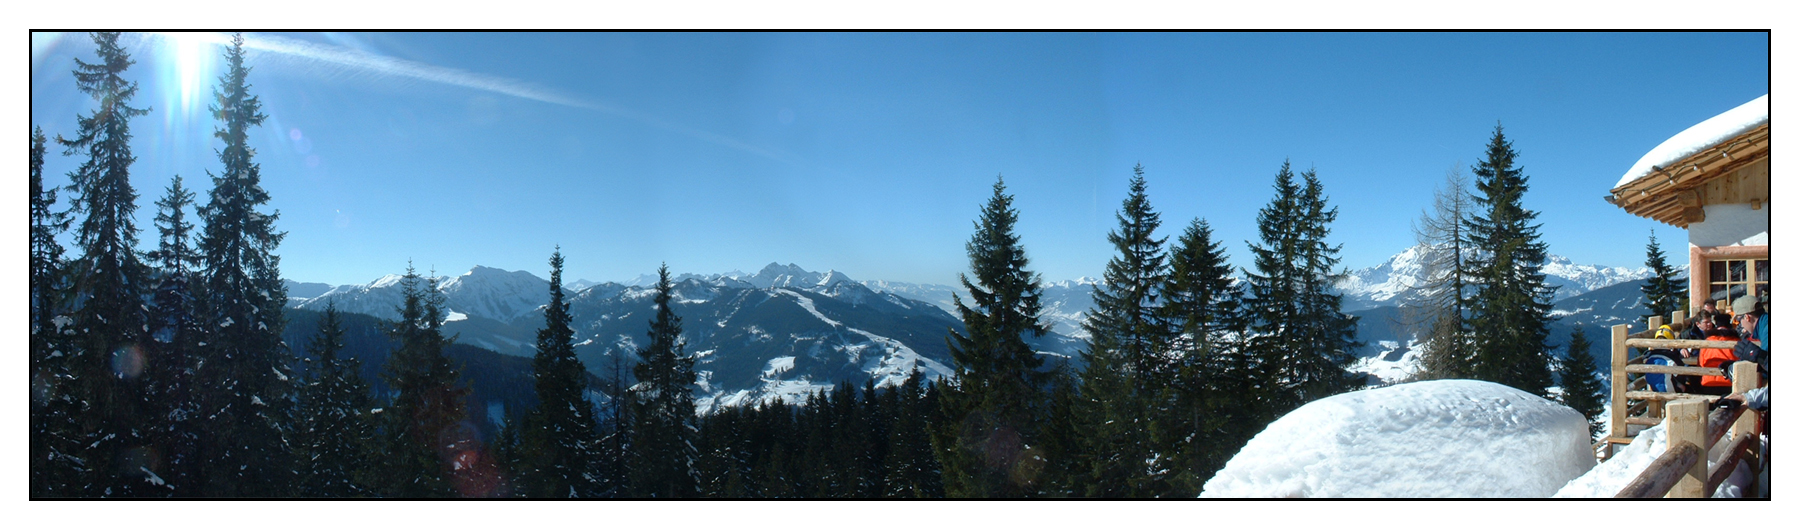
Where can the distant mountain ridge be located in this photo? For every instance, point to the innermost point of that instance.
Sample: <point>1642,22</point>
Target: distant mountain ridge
<point>784,331</point>
<point>779,334</point>
<point>1398,279</point>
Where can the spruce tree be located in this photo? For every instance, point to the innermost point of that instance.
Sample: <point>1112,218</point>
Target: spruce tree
<point>1300,336</point>
<point>105,359</point>
<point>1440,314</point>
<point>1207,414</point>
<point>663,452</point>
<point>1665,292</point>
<point>246,364</point>
<point>1582,391</point>
<point>1128,367</point>
<point>426,436</point>
<point>335,432</point>
<point>48,372</point>
<point>615,429</point>
<point>1330,338</point>
<point>560,441</point>
<point>912,471</point>
<point>987,441</point>
<point>175,335</point>
<point>1511,309</point>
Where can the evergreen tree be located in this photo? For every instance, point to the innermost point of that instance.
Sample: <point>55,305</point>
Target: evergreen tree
<point>1441,313</point>
<point>246,364</point>
<point>1214,374</point>
<point>335,432</point>
<point>104,368</point>
<point>47,345</point>
<point>615,429</point>
<point>1511,310</point>
<point>175,335</point>
<point>424,428</point>
<point>987,442</point>
<point>663,453</point>
<point>1330,338</point>
<point>560,439</point>
<point>1128,368</point>
<point>1582,391</point>
<point>1665,292</point>
<point>912,472</point>
<point>1300,336</point>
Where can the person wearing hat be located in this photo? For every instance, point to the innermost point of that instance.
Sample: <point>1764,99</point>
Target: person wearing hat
<point>1753,322</point>
<point>1753,348</point>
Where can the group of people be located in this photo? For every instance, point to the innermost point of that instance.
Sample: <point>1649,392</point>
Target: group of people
<point>1748,326</point>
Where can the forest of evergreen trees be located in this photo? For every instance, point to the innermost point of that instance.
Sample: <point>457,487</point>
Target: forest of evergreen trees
<point>164,373</point>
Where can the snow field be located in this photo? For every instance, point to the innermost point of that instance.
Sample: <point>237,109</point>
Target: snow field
<point>1434,439</point>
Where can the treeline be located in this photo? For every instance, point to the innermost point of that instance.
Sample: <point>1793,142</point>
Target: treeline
<point>1182,366</point>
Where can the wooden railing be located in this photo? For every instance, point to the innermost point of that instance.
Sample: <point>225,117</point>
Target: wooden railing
<point>1634,402</point>
<point>1682,471</point>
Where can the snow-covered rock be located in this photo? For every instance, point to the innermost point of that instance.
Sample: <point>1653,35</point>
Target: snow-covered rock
<point>1435,439</point>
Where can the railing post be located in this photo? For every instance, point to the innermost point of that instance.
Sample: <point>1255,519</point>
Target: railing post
<point>1744,378</point>
<point>1652,323</point>
<point>1678,319</point>
<point>1618,382</point>
<point>1686,422</point>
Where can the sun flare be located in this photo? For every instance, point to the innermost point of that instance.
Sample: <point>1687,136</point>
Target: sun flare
<point>190,60</point>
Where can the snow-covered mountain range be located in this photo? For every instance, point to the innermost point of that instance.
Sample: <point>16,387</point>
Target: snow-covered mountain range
<point>784,331</point>
<point>779,334</point>
<point>1398,279</point>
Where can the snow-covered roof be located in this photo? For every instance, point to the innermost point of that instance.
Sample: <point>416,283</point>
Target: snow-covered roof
<point>1708,133</point>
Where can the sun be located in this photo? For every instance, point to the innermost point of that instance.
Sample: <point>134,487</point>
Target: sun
<point>190,60</point>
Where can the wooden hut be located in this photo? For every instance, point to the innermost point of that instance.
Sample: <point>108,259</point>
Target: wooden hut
<point>1712,179</point>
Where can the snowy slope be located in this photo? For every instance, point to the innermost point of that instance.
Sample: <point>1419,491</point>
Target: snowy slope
<point>1066,303</point>
<point>755,345</point>
<point>482,292</point>
<point>378,298</point>
<point>1436,439</point>
<point>495,294</point>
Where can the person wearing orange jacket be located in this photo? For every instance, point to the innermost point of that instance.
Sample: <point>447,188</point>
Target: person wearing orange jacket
<point>1717,357</point>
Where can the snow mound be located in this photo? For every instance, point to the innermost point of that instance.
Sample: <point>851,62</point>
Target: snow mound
<point>1434,439</point>
<point>1701,136</point>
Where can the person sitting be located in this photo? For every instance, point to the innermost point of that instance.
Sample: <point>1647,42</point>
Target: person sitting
<point>1717,357</point>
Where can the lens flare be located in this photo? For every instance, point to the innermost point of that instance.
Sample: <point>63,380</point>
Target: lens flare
<point>128,362</point>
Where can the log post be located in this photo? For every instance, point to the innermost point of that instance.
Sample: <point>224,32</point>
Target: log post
<point>1678,319</point>
<point>1652,323</point>
<point>1686,422</point>
<point>1744,378</point>
<point>1617,384</point>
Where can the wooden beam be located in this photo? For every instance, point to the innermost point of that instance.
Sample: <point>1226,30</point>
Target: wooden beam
<point>1678,343</point>
<point>1719,421</point>
<point>1618,383</point>
<point>1722,469</point>
<point>1744,378</point>
<point>1672,369</point>
<point>1653,395</point>
<point>1664,473</point>
<point>1643,421</point>
<point>1687,427</point>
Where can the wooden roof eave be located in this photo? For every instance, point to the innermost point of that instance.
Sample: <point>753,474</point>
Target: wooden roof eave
<point>1656,195</point>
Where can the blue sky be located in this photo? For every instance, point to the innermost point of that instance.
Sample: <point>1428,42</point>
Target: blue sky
<point>872,153</point>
